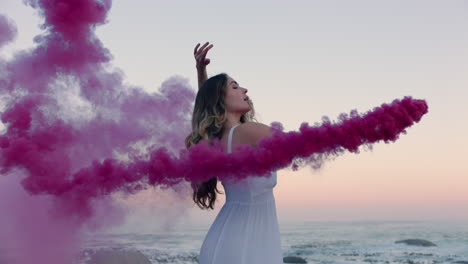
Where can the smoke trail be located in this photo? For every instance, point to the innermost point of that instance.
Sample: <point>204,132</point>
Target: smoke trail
<point>203,161</point>
<point>75,134</point>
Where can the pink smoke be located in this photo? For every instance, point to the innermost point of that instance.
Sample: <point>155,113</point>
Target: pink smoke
<point>75,133</point>
<point>63,110</point>
<point>203,161</point>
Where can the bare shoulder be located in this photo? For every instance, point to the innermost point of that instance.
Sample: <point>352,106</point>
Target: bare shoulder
<point>252,132</point>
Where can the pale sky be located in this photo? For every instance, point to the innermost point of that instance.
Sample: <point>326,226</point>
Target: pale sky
<point>308,59</point>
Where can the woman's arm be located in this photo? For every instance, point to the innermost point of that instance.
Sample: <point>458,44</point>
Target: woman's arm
<point>202,61</point>
<point>202,77</point>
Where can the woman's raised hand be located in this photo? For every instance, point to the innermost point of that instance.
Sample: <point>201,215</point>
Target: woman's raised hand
<point>200,55</point>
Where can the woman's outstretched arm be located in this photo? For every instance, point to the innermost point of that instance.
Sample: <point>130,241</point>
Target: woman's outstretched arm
<point>202,61</point>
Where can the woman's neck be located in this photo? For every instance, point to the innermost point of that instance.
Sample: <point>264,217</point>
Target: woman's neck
<point>232,120</point>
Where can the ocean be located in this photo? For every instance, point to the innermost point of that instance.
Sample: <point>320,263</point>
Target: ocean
<point>316,242</point>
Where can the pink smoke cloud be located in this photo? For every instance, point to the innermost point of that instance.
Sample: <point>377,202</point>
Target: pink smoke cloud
<point>63,110</point>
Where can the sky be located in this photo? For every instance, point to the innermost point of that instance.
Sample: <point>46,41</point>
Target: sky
<point>300,62</point>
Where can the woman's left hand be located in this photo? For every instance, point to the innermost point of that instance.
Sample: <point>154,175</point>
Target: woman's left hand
<point>200,55</point>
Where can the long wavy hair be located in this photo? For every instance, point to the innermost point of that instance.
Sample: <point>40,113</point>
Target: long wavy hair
<point>208,122</point>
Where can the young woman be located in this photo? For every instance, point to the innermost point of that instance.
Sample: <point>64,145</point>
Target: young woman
<point>246,229</point>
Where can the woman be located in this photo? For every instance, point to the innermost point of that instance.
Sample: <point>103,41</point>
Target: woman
<point>246,229</point>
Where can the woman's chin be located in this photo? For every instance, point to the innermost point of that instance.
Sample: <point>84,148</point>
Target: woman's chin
<point>246,111</point>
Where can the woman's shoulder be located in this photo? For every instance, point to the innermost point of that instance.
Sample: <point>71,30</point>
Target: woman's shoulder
<point>252,132</point>
<point>255,126</point>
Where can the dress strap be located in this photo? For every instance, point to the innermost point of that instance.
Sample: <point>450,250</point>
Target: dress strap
<point>230,138</point>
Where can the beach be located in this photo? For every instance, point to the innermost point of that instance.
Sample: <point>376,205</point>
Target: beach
<point>315,242</point>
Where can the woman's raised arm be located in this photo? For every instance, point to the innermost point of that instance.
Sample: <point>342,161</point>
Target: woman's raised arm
<point>202,61</point>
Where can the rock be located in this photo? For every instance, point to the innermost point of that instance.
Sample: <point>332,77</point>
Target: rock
<point>417,242</point>
<point>112,256</point>
<point>461,262</point>
<point>292,259</point>
<point>419,254</point>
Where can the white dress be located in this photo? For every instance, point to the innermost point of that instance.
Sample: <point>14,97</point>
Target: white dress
<point>246,229</point>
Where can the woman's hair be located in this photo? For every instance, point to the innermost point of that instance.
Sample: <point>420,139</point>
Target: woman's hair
<point>208,119</point>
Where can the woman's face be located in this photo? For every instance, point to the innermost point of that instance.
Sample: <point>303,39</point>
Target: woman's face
<point>235,99</point>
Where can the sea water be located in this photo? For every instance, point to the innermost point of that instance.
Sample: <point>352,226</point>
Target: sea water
<point>316,242</point>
